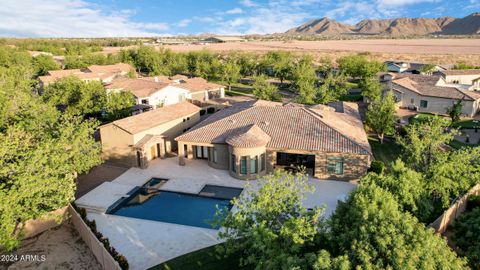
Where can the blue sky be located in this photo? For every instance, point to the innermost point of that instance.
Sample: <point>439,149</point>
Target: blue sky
<point>99,18</point>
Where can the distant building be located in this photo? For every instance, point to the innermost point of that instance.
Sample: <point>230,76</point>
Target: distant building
<point>105,73</point>
<point>160,91</point>
<point>411,67</point>
<point>223,39</point>
<point>435,94</point>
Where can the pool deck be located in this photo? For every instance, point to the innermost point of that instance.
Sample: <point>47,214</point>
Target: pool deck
<point>147,243</point>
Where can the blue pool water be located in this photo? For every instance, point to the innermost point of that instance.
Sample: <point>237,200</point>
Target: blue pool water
<point>172,207</point>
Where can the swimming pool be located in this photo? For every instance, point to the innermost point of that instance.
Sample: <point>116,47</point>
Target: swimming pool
<point>175,207</point>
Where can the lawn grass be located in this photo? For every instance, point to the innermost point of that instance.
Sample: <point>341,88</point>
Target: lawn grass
<point>421,117</point>
<point>469,123</point>
<point>387,152</point>
<point>204,259</point>
<point>351,97</point>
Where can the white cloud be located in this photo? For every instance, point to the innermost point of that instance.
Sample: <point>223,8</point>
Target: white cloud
<point>184,23</point>
<point>69,18</point>
<point>234,11</point>
<point>396,3</point>
<point>248,3</point>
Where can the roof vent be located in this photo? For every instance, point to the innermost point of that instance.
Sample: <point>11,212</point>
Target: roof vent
<point>231,121</point>
<point>266,123</point>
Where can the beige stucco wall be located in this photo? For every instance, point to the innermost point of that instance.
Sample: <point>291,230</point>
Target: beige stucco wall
<point>462,79</point>
<point>117,145</point>
<point>249,153</point>
<point>222,157</point>
<point>435,104</point>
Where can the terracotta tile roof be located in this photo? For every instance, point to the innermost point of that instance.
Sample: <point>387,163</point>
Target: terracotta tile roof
<point>147,120</point>
<point>289,127</point>
<point>248,137</point>
<point>93,72</point>
<point>427,86</point>
<point>453,72</point>
<point>197,85</point>
<point>138,87</point>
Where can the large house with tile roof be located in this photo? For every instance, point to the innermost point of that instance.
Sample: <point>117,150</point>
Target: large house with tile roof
<point>434,94</point>
<point>103,73</point>
<point>251,139</point>
<point>134,141</point>
<point>162,90</point>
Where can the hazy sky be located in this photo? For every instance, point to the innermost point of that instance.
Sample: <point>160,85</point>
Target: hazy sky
<point>102,18</point>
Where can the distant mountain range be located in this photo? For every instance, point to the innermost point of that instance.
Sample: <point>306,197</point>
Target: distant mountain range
<point>469,25</point>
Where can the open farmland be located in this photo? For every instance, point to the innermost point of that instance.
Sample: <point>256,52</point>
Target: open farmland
<point>440,51</point>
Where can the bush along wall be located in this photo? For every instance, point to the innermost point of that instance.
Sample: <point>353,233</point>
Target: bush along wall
<point>122,261</point>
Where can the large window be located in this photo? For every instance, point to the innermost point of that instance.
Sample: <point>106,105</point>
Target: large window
<point>335,165</point>
<point>215,158</point>
<point>262,162</point>
<point>423,104</point>
<point>234,163</point>
<point>202,152</point>
<point>243,165</point>
<point>254,164</point>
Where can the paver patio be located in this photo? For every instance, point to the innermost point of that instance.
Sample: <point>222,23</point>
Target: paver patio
<point>146,243</point>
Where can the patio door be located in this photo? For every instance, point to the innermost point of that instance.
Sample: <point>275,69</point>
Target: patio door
<point>201,152</point>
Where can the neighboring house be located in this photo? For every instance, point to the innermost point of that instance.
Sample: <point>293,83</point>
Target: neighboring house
<point>462,76</point>
<point>161,90</point>
<point>135,140</point>
<point>104,73</point>
<point>251,139</point>
<point>222,39</point>
<point>410,67</point>
<point>432,94</point>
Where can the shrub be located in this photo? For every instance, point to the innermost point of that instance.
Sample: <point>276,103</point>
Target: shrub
<point>106,243</point>
<point>466,235</point>
<point>473,202</point>
<point>377,167</point>
<point>122,261</point>
<point>210,110</point>
<point>83,213</point>
<point>202,112</point>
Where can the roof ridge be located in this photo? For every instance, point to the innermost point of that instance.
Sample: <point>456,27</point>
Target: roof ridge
<point>319,117</point>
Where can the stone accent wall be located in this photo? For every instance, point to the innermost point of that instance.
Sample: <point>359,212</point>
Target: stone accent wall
<point>354,167</point>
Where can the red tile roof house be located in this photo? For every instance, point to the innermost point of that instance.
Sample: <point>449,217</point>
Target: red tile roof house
<point>105,73</point>
<point>435,94</point>
<point>252,139</point>
<point>162,90</point>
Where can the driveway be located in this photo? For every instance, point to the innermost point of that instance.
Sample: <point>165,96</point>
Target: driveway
<point>146,243</point>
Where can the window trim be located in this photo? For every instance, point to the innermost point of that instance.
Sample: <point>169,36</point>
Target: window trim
<point>233,161</point>
<point>333,163</point>
<point>423,102</point>
<point>262,162</point>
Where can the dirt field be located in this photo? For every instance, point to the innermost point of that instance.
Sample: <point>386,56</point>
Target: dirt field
<point>62,247</point>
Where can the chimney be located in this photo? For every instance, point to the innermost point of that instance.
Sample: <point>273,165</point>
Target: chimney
<point>155,79</point>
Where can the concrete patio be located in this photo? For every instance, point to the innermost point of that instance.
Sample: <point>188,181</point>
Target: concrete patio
<point>146,243</point>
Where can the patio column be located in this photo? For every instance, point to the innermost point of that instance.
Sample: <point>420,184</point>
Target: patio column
<point>189,151</point>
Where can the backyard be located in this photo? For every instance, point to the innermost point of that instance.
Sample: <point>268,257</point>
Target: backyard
<point>387,152</point>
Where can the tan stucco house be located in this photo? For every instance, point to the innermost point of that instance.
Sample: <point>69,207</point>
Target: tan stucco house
<point>103,73</point>
<point>433,94</point>
<point>135,140</point>
<point>251,139</point>
<point>159,91</point>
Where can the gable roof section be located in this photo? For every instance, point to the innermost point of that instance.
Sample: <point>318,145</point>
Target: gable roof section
<point>289,127</point>
<point>426,86</point>
<point>139,88</point>
<point>147,120</point>
<point>197,85</point>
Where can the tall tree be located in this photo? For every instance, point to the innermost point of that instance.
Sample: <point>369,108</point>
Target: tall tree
<point>455,111</point>
<point>44,63</point>
<point>262,89</point>
<point>304,80</point>
<point>371,89</point>
<point>423,142</point>
<point>380,116</point>
<point>331,89</point>
<point>374,233</point>
<point>271,227</point>
<point>230,72</point>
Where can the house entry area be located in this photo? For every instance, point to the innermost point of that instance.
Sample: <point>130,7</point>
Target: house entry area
<point>291,161</point>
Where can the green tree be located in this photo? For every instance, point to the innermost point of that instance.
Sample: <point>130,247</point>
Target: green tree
<point>358,66</point>
<point>271,227</point>
<point>230,72</point>
<point>380,116</point>
<point>118,105</point>
<point>262,89</point>
<point>304,81</point>
<point>374,233</point>
<point>77,97</point>
<point>466,235</point>
<point>331,89</point>
<point>455,111</point>
<point>427,69</point>
<point>44,63</point>
<point>423,142</point>
<point>371,89</point>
